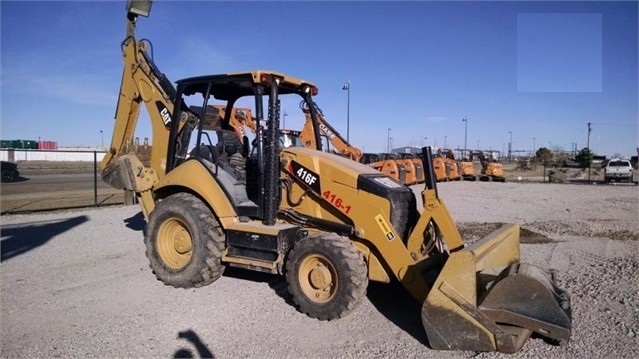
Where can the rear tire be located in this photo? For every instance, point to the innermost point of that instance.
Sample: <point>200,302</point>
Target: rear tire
<point>184,242</point>
<point>326,276</point>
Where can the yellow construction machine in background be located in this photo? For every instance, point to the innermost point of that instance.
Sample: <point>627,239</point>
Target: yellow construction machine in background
<point>491,168</point>
<point>390,167</point>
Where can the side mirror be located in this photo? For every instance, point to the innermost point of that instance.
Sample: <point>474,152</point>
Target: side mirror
<point>139,7</point>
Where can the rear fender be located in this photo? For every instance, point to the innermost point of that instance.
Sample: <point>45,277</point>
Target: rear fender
<point>194,177</point>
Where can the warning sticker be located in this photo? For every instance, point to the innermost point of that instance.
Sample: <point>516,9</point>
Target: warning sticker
<point>387,182</point>
<point>381,222</point>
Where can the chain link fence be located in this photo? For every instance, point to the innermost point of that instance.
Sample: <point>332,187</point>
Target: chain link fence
<point>52,180</point>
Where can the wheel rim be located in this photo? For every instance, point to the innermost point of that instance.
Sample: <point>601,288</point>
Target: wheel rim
<point>174,244</point>
<point>318,278</point>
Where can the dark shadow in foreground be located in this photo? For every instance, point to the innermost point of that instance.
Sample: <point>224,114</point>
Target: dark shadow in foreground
<point>392,300</point>
<point>136,222</point>
<point>398,306</point>
<point>275,281</point>
<point>202,350</point>
<point>19,239</point>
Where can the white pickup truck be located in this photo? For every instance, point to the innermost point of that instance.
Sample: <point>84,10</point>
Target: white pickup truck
<point>618,170</point>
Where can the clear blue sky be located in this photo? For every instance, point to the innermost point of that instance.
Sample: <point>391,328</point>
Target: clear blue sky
<point>539,70</point>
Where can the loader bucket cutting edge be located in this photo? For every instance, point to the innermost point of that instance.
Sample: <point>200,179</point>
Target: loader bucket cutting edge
<point>484,299</point>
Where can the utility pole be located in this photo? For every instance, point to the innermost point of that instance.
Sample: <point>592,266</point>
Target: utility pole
<point>588,147</point>
<point>465,120</point>
<point>388,141</point>
<point>347,88</point>
<point>510,146</point>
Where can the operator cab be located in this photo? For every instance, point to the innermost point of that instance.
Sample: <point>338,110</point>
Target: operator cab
<point>205,133</point>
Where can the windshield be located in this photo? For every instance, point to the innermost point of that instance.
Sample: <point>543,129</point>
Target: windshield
<point>619,164</point>
<point>290,140</point>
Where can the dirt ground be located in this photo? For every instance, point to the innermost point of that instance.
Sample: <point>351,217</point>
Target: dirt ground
<point>77,284</point>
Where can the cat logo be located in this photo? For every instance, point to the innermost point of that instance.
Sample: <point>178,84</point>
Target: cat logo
<point>164,113</point>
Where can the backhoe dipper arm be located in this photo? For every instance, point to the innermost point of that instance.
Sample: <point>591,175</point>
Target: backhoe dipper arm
<point>325,129</point>
<point>141,82</point>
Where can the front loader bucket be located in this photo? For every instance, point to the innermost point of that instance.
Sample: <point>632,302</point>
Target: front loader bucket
<point>484,299</point>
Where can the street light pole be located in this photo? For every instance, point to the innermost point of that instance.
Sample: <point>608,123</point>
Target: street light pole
<point>102,139</point>
<point>388,141</point>
<point>445,136</point>
<point>465,134</point>
<point>510,146</point>
<point>347,88</point>
<point>284,120</point>
<point>533,150</point>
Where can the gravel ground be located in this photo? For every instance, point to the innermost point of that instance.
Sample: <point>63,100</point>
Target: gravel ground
<point>77,284</point>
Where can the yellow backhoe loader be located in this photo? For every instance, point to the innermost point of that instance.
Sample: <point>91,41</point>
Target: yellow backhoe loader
<point>326,223</point>
<point>452,168</point>
<point>409,165</point>
<point>389,167</point>
<point>418,165</point>
<point>466,166</point>
<point>491,168</point>
<point>439,166</point>
<point>405,174</point>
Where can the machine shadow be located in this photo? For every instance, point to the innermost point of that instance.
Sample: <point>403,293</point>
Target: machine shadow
<point>194,340</point>
<point>392,300</point>
<point>20,239</point>
<point>398,306</point>
<point>275,281</point>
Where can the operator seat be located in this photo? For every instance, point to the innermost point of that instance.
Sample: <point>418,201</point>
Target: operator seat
<point>230,170</point>
<point>206,152</point>
<point>231,159</point>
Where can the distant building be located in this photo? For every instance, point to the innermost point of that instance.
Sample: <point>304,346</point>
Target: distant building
<point>407,149</point>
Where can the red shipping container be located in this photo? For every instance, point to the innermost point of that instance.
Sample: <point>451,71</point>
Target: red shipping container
<point>47,145</point>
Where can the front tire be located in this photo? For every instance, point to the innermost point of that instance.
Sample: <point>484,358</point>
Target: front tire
<point>184,242</point>
<point>327,276</point>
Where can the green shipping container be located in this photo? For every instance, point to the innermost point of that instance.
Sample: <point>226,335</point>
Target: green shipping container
<point>25,144</point>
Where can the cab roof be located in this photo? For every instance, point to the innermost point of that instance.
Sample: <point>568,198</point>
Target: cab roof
<point>238,84</point>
